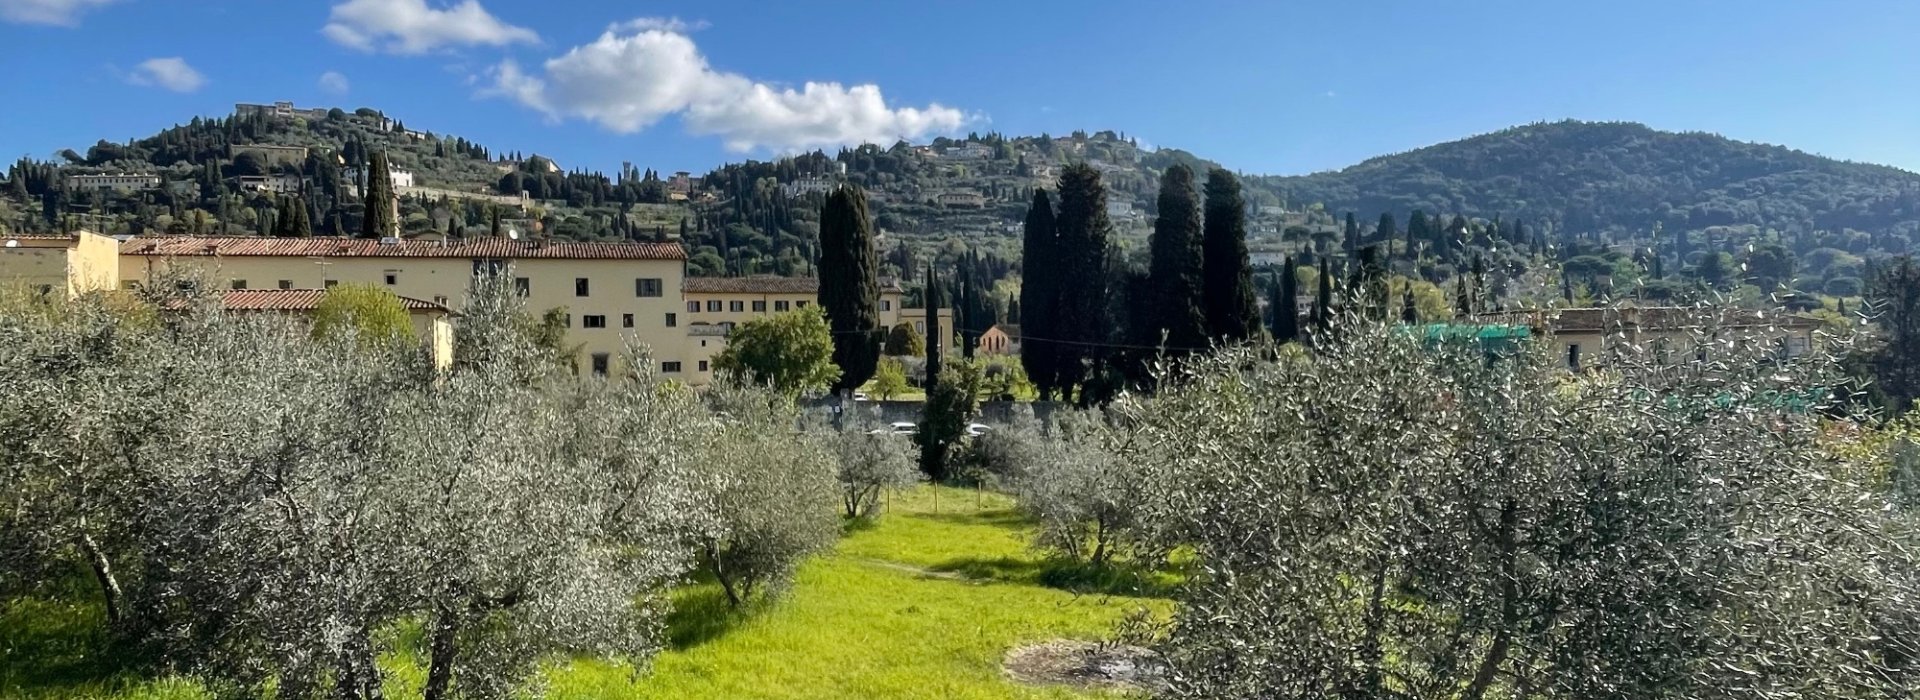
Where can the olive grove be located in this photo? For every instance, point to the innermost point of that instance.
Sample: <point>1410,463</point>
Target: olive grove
<point>1391,517</point>
<point>262,508</point>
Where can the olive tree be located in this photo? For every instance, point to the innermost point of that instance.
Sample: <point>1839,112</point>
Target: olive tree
<point>871,458</point>
<point>1393,518</point>
<point>772,487</point>
<point>1078,486</point>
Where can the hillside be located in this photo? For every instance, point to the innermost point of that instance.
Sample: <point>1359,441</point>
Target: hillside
<point>1621,177</point>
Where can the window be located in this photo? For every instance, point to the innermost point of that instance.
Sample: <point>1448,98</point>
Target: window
<point>919,326</point>
<point>693,307</point>
<point>286,284</point>
<point>393,278</point>
<point>703,365</point>
<point>760,307</point>
<point>1573,356</point>
<point>673,320</point>
<point>886,304</point>
<point>523,285</point>
<point>569,321</point>
<point>599,364</point>
<point>626,320</point>
<point>670,367</point>
<point>779,306</point>
<point>799,304</point>
<point>593,321</point>
<point>440,299</point>
<point>736,306</point>
<point>579,286</point>
<point>239,284</point>
<point>329,283</point>
<point>646,287</point>
<point>713,306</point>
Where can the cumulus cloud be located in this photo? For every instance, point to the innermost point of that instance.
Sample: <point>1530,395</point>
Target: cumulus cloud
<point>65,13</point>
<point>171,73</point>
<point>333,83</point>
<point>641,71</point>
<point>412,26</point>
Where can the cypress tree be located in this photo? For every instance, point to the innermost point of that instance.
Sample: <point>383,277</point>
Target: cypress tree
<point>379,219</point>
<point>1080,316</point>
<point>1232,312</point>
<point>1037,294</point>
<point>934,346</point>
<point>1417,231</point>
<point>1323,303</point>
<point>1462,302</point>
<point>1353,237</point>
<point>849,285</point>
<point>296,216</point>
<point>1408,315</point>
<point>1286,319</point>
<point>1176,273</point>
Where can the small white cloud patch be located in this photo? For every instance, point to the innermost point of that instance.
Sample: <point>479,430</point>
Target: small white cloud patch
<point>170,73</point>
<point>641,71</point>
<point>333,83</point>
<point>61,13</point>
<point>413,27</point>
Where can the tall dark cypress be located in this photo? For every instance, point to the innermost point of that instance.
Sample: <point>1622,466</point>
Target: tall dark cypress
<point>1233,314</point>
<point>1408,314</point>
<point>1176,272</point>
<point>1387,231</point>
<point>1323,303</point>
<point>1286,314</point>
<point>1038,295</point>
<point>850,285</point>
<point>935,349</point>
<point>1080,317</point>
<point>1353,237</point>
<point>1417,232</point>
<point>379,221</point>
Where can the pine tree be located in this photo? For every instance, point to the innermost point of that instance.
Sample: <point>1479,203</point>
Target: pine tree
<point>1080,317</point>
<point>379,221</point>
<point>849,285</point>
<point>1176,273</point>
<point>1232,312</point>
<point>935,348</point>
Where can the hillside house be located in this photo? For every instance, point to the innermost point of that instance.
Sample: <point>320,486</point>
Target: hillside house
<point>961,198</point>
<point>271,155</point>
<point>971,151</point>
<point>1583,335</point>
<point>276,184</point>
<point>280,110</point>
<point>806,186</point>
<point>1001,339</point>
<point>122,182</point>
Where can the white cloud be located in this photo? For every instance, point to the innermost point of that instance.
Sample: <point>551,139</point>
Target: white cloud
<point>665,24</point>
<point>641,71</point>
<point>333,83</point>
<point>411,26</point>
<point>65,13</point>
<point>167,73</point>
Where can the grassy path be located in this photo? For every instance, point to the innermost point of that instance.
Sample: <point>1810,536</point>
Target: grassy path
<point>922,604</point>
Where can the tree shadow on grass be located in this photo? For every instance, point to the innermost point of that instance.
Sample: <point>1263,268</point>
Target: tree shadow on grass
<point>54,644</point>
<point>998,517</point>
<point>701,614</point>
<point>1078,577</point>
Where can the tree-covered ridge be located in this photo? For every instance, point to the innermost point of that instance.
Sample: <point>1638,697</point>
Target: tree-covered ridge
<point>1595,177</point>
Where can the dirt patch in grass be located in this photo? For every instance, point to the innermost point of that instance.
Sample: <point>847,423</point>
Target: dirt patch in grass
<point>1090,665</point>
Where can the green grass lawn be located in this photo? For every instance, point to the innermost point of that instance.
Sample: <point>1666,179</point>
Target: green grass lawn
<point>923,603</point>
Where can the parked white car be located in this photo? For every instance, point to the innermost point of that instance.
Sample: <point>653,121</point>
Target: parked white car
<point>904,428</point>
<point>978,429</point>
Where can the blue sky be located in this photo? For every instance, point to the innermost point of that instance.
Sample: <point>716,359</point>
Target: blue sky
<point>1265,87</point>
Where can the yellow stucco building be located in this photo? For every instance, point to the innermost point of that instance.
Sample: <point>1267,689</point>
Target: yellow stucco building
<point>432,323</point>
<point>610,290</point>
<point>70,264</point>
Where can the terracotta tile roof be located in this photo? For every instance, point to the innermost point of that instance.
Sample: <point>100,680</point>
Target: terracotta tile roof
<point>366,248</point>
<point>765,284</point>
<point>299,300</point>
<point>1655,318</point>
